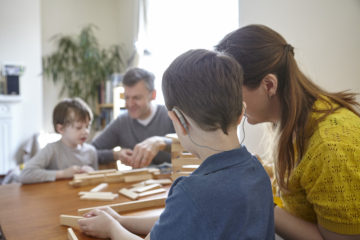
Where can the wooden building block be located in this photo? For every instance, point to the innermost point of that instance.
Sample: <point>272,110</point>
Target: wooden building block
<point>99,187</point>
<point>177,163</point>
<point>71,235</point>
<point>146,188</point>
<point>189,168</point>
<point>128,193</point>
<point>138,178</point>
<point>163,182</point>
<point>70,220</point>
<point>95,193</point>
<point>104,171</point>
<point>175,175</point>
<point>152,192</point>
<point>130,206</point>
<point>99,197</point>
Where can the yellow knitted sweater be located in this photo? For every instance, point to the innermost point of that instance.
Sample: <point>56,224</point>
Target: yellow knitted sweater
<point>325,185</point>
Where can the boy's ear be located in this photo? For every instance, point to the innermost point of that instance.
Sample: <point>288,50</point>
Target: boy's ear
<point>59,128</point>
<point>270,84</point>
<point>176,121</point>
<point>243,113</point>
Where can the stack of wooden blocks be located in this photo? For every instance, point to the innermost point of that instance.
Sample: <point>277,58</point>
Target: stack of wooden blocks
<point>112,176</point>
<point>145,188</point>
<point>183,163</point>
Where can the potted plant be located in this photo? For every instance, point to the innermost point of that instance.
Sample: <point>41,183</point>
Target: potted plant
<point>81,66</point>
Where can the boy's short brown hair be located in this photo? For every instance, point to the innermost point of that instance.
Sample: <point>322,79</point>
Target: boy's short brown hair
<point>206,86</point>
<point>69,110</point>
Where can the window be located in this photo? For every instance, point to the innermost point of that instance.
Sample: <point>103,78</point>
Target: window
<point>170,28</point>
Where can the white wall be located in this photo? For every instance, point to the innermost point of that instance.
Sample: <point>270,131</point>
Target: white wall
<point>326,37</point>
<point>115,22</point>
<point>20,43</point>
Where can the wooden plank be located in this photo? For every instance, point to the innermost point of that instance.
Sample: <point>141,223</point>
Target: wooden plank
<point>130,206</point>
<point>137,178</point>
<point>104,171</point>
<point>147,188</point>
<point>95,193</point>
<point>99,197</point>
<point>70,220</point>
<point>175,175</point>
<point>99,187</point>
<point>189,168</point>
<point>163,182</point>
<point>71,235</point>
<point>152,192</point>
<point>177,163</point>
<point>128,193</point>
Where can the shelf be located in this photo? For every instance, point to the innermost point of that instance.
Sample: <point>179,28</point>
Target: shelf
<point>106,105</point>
<point>10,98</point>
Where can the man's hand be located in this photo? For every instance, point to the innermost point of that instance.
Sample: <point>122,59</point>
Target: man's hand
<point>124,155</point>
<point>145,151</point>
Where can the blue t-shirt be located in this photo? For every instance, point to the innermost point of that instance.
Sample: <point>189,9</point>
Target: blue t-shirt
<point>228,197</point>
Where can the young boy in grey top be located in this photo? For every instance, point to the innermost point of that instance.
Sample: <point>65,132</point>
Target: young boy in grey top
<point>70,155</point>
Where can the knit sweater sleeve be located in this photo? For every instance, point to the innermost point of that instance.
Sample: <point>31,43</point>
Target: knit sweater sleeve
<point>331,180</point>
<point>107,140</point>
<point>35,170</point>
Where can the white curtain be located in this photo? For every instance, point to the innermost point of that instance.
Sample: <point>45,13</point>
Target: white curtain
<point>168,28</point>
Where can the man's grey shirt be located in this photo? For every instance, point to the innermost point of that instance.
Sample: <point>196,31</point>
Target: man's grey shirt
<point>126,132</point>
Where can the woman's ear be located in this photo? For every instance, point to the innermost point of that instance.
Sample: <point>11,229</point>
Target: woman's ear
<point>270,84</point>
<point>176,121</point>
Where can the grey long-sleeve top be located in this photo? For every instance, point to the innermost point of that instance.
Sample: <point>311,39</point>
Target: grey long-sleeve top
<point>127,132</point>
<point>57,156</point>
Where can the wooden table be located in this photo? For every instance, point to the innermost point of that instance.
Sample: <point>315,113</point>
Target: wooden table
<point>32,211</point>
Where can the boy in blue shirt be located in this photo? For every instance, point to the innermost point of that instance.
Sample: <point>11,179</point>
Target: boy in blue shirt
<point>229,196</point>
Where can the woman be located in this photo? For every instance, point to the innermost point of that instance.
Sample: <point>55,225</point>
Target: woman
<point>316,146</point>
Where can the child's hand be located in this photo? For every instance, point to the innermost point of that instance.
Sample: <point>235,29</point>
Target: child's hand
<point>109,211</point>
<point>86,169</point>
<point>99,224</point>
<point>68,172</point>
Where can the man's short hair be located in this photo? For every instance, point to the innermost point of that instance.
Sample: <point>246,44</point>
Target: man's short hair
<point>207,87</point>
<point>135,75</point>
<point>69,110</point>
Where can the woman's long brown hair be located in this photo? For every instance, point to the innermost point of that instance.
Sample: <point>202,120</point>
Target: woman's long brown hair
<point>262,51</point>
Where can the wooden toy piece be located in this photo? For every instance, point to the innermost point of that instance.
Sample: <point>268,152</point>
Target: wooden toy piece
<point>99,187</point>
<point>175,175</point>
<point>70,221</point>
<point>140,184</point>
<point>163,182</point>
<point>177,163</point>
<point>189,168</point>
<point>99,197</point>
<point>146,188</point>
<point>130,206</point>
<point>152,192</point>
<point>135,175</point>
<point>71,235</point>
<point>137,178</point>
<point>128,193</point>
<point>95,193</point>
<point>102,171</point>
